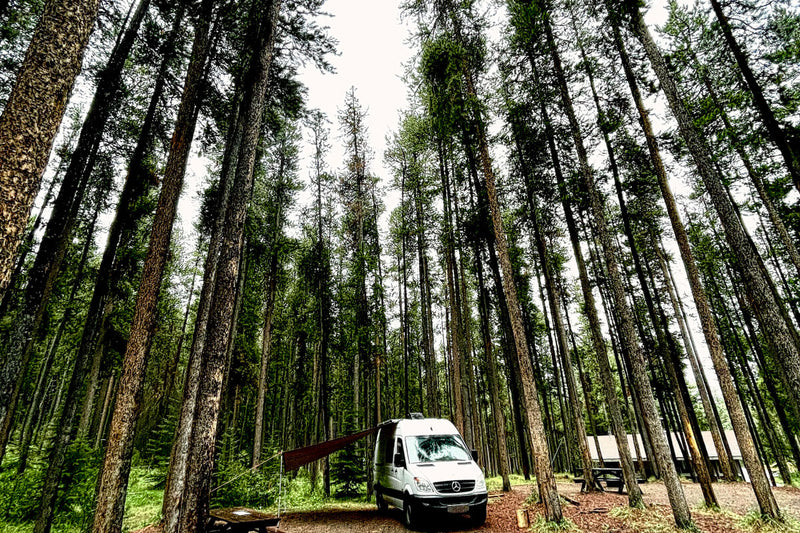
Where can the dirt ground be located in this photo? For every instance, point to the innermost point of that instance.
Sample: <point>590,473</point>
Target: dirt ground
<point>593,512</point>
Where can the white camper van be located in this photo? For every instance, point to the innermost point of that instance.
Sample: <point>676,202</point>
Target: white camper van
<point>423,465</point>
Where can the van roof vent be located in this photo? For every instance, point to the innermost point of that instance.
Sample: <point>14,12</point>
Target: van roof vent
<point>416,416</point>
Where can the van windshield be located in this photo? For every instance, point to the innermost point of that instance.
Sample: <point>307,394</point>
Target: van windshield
<point>433,448</point>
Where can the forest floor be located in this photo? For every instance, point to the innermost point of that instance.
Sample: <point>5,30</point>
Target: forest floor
<point>606,512</point>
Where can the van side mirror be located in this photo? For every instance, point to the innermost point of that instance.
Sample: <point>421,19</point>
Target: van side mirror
<point>475,455</point>
<point>399,460</point>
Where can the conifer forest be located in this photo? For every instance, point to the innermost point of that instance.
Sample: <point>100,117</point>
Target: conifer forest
<point>583,228</point>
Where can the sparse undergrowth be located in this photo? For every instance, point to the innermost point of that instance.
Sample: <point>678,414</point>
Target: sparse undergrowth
<point>758,523</point>
<point>646,519</point>
<point>540,525</point>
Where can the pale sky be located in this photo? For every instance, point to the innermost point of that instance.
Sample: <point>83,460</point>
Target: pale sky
<point>373,51</point>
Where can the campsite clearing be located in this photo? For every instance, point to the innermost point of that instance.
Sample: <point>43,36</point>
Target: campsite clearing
<point>605,511</point>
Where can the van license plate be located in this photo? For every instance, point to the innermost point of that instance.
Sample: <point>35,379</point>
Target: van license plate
<point>458,509</point>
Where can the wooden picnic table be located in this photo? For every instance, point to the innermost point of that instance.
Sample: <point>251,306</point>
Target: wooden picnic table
<point>241,520</point>
<point>612,477</point>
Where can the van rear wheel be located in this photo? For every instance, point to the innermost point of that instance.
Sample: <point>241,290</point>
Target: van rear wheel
<point>381,502</point>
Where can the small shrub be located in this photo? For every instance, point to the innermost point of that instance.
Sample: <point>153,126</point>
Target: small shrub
<point>532,499</point>
<point>238,485</point>
<point>20,495</point>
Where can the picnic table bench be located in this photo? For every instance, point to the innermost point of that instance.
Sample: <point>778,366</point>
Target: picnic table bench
<point>612,477</point>
<point>241,520</point>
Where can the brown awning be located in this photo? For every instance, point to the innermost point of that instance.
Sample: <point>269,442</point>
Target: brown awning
<point>294,459</point>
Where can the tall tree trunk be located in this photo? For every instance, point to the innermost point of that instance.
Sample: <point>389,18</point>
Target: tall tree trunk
<point>33,112</point>
<point>380,353</point>
<point>598,343</point>
<point>404,326</point>
<point>113,482</point>
<point>468,393</point>
<point>137,183</point>
<point>200,462</point>
<point>457,407</point>
<point>554,299</point>
<point>54,243</point>
<point>431,385</point>
<point>512,362</point>
<point>723,456</point>
<point>266,348</point>
<point>491,370</point>
<point>766,500</point>
<point>544,472</point>
<point>680,508</point>
<point>101,424</point>
<point>176,476</point>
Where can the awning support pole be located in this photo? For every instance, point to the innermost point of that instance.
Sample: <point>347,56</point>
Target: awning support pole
<point>280,487</point>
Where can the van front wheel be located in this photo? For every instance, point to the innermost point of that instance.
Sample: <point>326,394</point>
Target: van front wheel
<point>478,515</point>
<point>410,514</point>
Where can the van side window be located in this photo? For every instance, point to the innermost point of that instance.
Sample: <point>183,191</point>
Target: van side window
<point>385,445</point>
<point>399,448</point>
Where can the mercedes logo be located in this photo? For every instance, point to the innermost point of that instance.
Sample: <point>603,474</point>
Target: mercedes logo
<point>456,486</point>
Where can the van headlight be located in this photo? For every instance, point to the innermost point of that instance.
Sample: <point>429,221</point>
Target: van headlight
<point>423,485</point>
<point>481,484</point>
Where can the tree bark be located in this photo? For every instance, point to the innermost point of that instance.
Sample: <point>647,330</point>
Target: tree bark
<point>554,299</point>
<point>544,472</point>
<point>137,184</point>
<point>33,112</point>
<point>491,370</point>
<point>457,407</point>
<point>431,384</point>
<point>598,343</point>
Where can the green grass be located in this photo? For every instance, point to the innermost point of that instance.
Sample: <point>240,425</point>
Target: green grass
<point>496,483</point>
<point>27,527</point>
<point>143,503</point>
<point>642,520</point>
